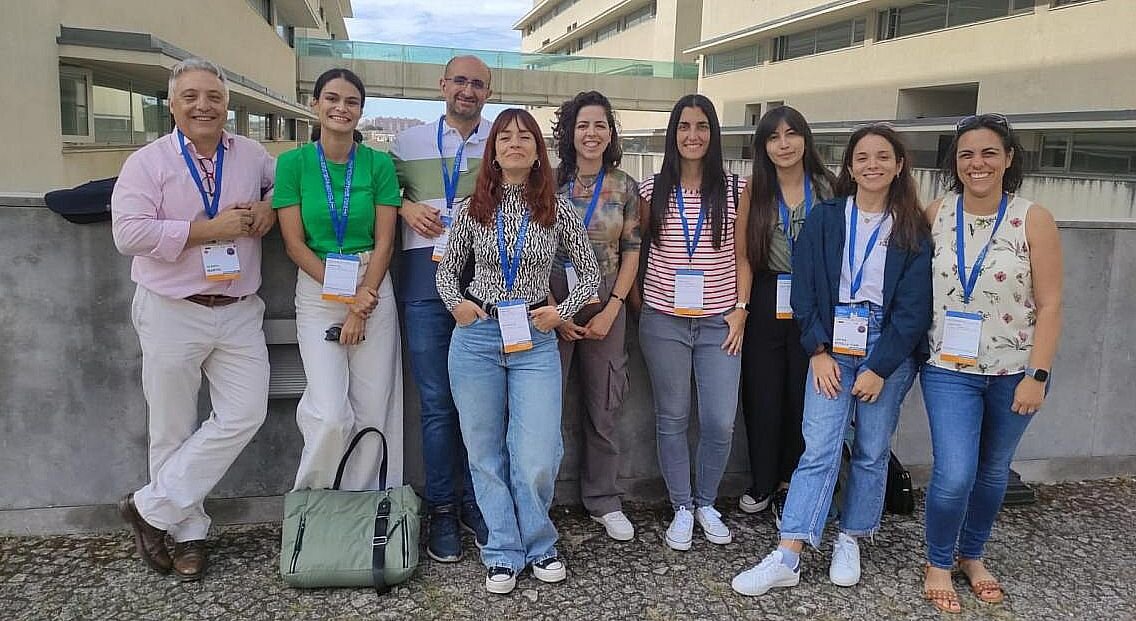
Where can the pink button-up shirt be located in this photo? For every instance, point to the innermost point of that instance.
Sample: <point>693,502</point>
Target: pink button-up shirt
<point>155,199</point>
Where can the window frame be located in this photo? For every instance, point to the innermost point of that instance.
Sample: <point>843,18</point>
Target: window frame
<point>88,77</point>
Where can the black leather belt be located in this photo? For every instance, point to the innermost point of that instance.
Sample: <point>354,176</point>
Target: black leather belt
<point>491,309</point>
<point>213,300</point>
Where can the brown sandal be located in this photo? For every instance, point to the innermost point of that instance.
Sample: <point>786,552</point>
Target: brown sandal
<point>989,590</point>
<point>946,600</point>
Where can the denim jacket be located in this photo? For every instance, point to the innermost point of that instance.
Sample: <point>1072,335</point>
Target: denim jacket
<point>817,260</point>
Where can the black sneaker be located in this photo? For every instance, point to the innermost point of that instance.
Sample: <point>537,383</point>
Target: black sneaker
<point>752,502</point>
<point>551,569</point>
<point>500,580</point>
<point>778,505</point>
<point>473,522</point>
<point>444,543</point>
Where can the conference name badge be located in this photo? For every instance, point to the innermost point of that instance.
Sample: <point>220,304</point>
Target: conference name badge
<point>574,279</point>
<point>688,293</point>
<point>961,335</point>
<point>442,241</point>
<point>340,278</point>
<point>220,260</point>
<point>784,294</point>
<point>513,320</point>
<point>850,330</point>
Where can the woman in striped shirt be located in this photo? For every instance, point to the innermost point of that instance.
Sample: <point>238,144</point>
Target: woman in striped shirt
<point>695,287</point>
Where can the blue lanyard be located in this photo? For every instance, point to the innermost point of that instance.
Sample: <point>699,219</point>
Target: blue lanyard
<point>211,206</point>
<point>338,219</point>
<point>510,267</point>
<point>785,221</point>
<point>691,244</point>
<point>597,188</point>
<point>858,275</point>
<point>960,253</point>
<point>450,180</point>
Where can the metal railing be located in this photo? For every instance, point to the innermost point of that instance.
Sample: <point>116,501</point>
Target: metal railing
<point>393,52</point>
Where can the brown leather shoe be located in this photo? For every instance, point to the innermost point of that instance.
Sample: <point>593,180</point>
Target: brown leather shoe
<point>190,560</point>
<point>149,541</point>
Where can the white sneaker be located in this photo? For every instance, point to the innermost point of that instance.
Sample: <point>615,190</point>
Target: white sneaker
<point>617,525</point>
<point>769,573</point>
<point>550,570</point>
<point>845,568</point>
<point>711,522</point>
<point>749,504</point>
<point>681,531</point>
<point>500,580</point>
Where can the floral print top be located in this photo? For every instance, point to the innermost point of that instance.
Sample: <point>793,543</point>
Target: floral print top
<point>1003,293</point>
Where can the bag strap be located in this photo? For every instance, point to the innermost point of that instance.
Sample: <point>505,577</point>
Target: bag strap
<point>379,544</point>
<point>735,191</point>
<point>351,448</point>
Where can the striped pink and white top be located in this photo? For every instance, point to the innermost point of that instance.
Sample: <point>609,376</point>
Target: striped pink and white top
<point>669,254</point>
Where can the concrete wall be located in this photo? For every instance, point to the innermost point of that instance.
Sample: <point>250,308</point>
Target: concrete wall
<point>1069,58</point>
<point>73,424</point>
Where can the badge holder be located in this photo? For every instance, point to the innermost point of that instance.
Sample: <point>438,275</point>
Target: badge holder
<point>513,320</point>
<point>442,241</point>
<point>340,278</point>
<point>850,330</point>
<point>220,260</point>
<point>688,296</point>
<point>784,295</point>
<point>962,333</point>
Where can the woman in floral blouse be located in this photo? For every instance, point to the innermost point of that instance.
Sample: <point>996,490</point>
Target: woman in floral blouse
<point>997,316</point>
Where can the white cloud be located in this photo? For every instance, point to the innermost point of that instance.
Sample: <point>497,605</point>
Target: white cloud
<point>441,23</point>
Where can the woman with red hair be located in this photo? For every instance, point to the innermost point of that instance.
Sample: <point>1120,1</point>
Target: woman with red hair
<point>503,353</point>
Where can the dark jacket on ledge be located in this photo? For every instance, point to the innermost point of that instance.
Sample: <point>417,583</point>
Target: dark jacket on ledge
<point>820,253</point>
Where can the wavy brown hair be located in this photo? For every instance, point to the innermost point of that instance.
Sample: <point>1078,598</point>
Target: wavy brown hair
<point>540,189</point>
<point>564,134</point>
<point>910,226</point>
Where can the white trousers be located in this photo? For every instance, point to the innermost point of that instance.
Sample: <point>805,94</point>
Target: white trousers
<point>349,388</point>
<point>180,340</point>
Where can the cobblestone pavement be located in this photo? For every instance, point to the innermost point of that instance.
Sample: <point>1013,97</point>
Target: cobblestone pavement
<point>1070,556</point>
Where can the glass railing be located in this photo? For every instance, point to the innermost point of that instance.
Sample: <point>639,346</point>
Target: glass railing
<point>391,52</point>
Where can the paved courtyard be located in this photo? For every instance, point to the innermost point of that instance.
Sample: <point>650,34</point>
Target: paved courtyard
<point>1070,556</point>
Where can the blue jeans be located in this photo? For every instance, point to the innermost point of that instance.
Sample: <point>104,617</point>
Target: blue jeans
<point>973,438</point>
<point>514,457</point>
<point>673,347</point>
<point>824,426</point>
<point>428,329</point>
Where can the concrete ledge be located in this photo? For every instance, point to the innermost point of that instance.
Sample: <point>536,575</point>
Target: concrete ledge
<point>268,509</point>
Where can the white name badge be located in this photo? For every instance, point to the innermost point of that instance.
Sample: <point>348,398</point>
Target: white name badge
<point>220,260</point>
<point>513,319</point>
<point>784,294</point>
<point>443,240</point>
<point>850,330</point>
<point>340,278</point>
<point>961,335</point>
<point>689,288</point>
<point>574,279</point>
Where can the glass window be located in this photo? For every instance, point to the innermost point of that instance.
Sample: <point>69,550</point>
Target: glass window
<point>1104,153</point>
<point>833,37</point>
<point>969,11</point>
<point>824,39</point>
<point>732,60</point>
<point>151,117</point>
<point>638,17</point>
<point>1054,152</point>
<point>73,106</point>
<point>258,126</point>
<point>231,122</point>
<point>1065,2</point>
<point>287,33</point>
<point>264,9</point>
<point>112,114</point>
<point>607,31</point>
<point>921,17</point>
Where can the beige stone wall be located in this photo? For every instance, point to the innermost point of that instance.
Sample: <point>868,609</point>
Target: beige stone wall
<point>721,17</point>
<point>1074,58</point>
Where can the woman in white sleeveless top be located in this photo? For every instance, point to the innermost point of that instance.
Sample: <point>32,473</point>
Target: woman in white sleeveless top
<point>997,316</point>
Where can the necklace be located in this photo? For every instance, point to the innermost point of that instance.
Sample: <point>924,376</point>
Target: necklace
<point>586,185</point>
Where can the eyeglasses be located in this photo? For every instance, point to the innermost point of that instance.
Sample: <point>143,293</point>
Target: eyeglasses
<point>461,81</point>
<point>207,167</point>
<point>974,120</point>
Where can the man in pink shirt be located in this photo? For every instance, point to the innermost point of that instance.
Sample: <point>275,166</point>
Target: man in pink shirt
<point>189,207</point>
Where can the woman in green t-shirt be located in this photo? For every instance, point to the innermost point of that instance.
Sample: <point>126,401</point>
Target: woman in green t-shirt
<point>337,202</point>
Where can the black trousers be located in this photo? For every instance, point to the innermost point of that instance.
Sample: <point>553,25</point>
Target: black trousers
<point>774,368</point>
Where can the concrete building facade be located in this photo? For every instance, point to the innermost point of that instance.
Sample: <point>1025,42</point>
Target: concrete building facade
<point>87,81</point>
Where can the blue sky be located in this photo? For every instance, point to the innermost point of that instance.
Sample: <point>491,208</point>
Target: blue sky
<point>468,24</point>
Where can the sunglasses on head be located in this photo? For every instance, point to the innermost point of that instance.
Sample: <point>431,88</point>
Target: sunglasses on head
<point>975,120</point>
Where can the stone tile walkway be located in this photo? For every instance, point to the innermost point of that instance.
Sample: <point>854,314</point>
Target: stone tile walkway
<point>1070,556</point>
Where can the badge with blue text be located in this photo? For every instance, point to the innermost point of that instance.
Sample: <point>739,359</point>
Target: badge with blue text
<point>850,330</point>
<point>220,260</point>
<point>962,333</point>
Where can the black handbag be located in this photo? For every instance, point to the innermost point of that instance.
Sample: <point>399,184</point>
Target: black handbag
<point>84,204</point>
<point>898,498</point>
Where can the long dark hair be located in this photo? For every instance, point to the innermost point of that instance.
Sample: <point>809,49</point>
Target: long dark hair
<point>564,134</point>
<point>910,226</point>
<point>763,184</point>
<point>713,174</point>
<point>1012,179</point>
<point>540,191</point>
<point>329,75</point>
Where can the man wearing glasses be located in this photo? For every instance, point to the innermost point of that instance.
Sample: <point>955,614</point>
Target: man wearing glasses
<point>437,166</point>
<point>189,208</point>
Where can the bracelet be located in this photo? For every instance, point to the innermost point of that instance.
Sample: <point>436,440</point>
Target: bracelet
<point>616,296</point>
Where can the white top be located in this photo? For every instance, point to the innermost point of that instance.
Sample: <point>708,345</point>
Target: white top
<point>872,285</point>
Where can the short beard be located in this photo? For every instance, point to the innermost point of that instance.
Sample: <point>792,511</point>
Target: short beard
<point>472,116</point>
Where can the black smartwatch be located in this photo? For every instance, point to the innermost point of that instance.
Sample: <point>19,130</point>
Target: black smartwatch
<point>1040,375</point>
